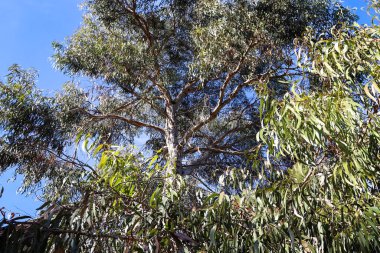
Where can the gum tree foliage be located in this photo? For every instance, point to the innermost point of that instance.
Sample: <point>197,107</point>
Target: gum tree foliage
<point>311,181</point>
<point>325,200</point>
<point>182,73</point>
<point>31,129</point>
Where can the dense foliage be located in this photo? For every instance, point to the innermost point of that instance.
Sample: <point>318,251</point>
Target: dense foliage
<point>182,73</point>
<point>264,133</point>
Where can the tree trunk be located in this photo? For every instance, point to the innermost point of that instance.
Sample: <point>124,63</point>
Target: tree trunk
<point>174,157</point>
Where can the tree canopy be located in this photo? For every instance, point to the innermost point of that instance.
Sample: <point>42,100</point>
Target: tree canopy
<point>261,121</point>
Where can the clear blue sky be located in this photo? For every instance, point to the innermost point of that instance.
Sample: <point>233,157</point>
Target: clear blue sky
<point>27,28</point>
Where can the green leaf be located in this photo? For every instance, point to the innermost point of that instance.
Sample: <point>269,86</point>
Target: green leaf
<point>97,149</point>
<point>43,205</point>
<point>212,235</point>
<point>221,198</point>
<point>154,197</point>
<point>103,161</point>
<point>369,94</point>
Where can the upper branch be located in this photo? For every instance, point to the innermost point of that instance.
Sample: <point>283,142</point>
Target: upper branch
<point>222,101</point>
<point>221,150</point>
<point>145,99</point>
<point>141,22</point>
<point>186,89</point>
<point>144,26</point>
<point>233,73</point>
<point>214,113</point>
<point>132,122</point>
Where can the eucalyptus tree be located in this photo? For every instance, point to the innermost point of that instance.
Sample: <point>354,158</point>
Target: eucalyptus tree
<point>327,199</point>
<point>183,73</point>
<point>191,86</point>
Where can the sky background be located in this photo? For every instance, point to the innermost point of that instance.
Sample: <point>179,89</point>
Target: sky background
<point>27,29</point>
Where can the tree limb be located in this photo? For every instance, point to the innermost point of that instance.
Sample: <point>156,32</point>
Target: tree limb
<point>127,120</point>
<point>186,89</point>
<point>216,110</point>
<point>221,101</point>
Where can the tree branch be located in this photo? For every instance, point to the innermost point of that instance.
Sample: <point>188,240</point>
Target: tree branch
<point>141,22</point>
<point>216,110</point>
<point>69,231</point>
<point>233,73</point>
<point>127,120</point>
<point>143,98</point>
<point>223,102</point>
<point>186,89</point>
<point>221,150</point>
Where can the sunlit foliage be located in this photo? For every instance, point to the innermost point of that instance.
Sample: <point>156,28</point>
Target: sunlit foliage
<point>307,179</point>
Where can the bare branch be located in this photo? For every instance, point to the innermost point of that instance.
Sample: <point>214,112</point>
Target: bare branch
<point>186,89</point>
<point>221,150</point>
<point>132,122</point>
